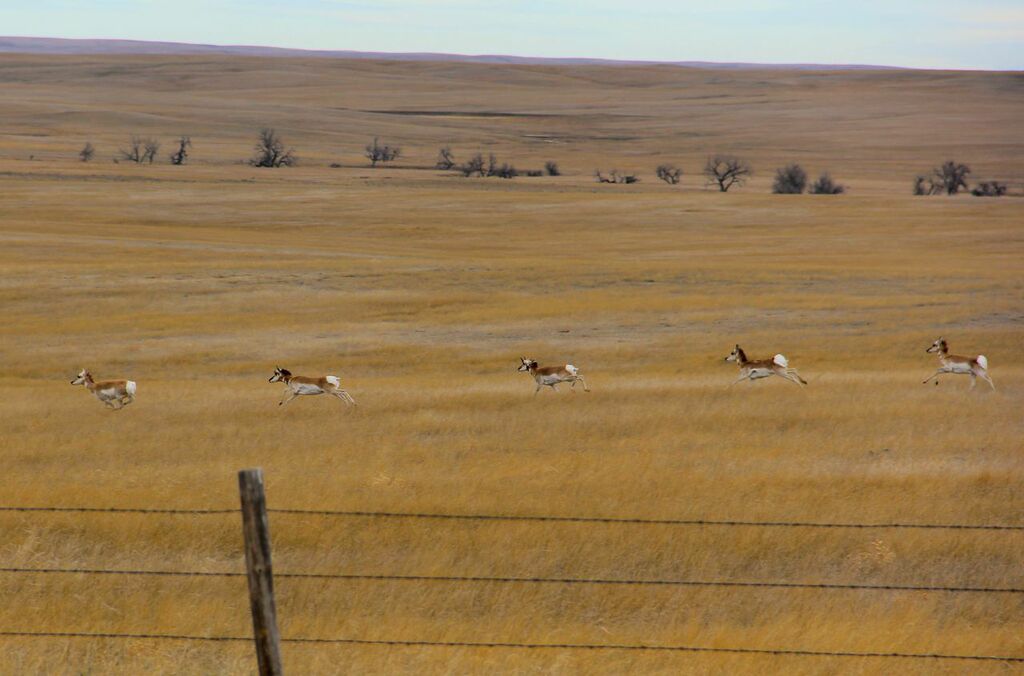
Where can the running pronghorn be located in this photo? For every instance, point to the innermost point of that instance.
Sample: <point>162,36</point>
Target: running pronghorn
<point>762,368</point>
<point>976,367</point>
<point>553,375</point>
<point>115,394</point>
<point>300,385</point>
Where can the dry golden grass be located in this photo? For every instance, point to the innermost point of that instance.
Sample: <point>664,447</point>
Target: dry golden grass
<point>421,290</point>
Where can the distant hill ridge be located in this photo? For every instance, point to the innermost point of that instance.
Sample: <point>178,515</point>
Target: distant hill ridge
<point>34,45</point>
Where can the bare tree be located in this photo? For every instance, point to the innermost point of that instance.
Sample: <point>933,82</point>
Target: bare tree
<point>989,189</point>
<point>87,152</point>
<point>492,165</point>
<point>951,177</point>
<point>181,154</point>
<point>726,171</point>
<point>669,173</point>
<point>445,158</point>
<point>375,152</point>
<point>826,186</point>
<point>474,166</point>
<point>136,151</point>
<point>551,168</point>
<point>271,151</point>
<point>150,147</point>
<point>789,180</point>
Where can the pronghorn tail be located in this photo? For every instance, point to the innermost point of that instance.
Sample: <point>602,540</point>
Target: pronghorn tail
<point>334,380</point>
<point>781,361</point>
<point>983,361</point>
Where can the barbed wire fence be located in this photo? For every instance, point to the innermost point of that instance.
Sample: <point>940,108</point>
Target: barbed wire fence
<point>261,576</point>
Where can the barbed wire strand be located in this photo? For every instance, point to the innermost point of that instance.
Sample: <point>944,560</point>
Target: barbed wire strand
<point>118,510</point>
<point>656,522</point>
<point>530,580</point>
<point>528,646</point>
<point>534,518</point>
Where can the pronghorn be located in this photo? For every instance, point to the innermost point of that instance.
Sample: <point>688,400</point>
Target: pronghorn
<point>115,394</point>
<point>300,385</point>
<point>762,368</point>
<point>553,375</point>
<point>976,367</point>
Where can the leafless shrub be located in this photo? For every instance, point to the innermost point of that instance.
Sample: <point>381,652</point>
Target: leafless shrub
<point>492,165</point>
<point>725,171</point>
<point>669,173</point>
<point>506,170</point>
<point>87,152</point>
<point>989,189</point>
<point>445,159</point>
<point>950,177</point>
<point>789,180</point>
<point>375,152</point>
<point>826,186</point>
<point>335,165</point>
<point>139,150</point>
<point>551,168</point>
<point>271,151</point>
<point>533,172</point>
<point>179,156</point>
<point>474,166</point>
<point>924,186</point>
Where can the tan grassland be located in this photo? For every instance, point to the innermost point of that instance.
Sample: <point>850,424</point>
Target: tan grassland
<point>421,290</point>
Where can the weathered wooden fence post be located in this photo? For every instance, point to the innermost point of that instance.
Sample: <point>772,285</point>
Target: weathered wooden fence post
<point>257,563</point>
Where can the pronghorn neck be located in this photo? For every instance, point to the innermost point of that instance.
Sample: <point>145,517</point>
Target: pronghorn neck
<point>741,357</point>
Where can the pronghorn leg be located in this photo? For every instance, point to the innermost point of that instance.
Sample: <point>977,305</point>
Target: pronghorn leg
<point>586,388</point>
<point>289,395</point>
<point>345,397</point>
<point>934,375</point>
<point>794,377</point>
<point>984,376</point>
<point>537,391</point>
<point>974,380</point>
<point>738,380</point>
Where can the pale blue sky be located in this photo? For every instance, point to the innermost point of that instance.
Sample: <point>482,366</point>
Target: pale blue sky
<point>921,33</point>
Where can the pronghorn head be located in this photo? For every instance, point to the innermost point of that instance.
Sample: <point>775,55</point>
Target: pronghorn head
<point>280,375</point>
<point>527,364</point>
<point>938,346</point>
<point>737,355</point>
<point>82,378</point>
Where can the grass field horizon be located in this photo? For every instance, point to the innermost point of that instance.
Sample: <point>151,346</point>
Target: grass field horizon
<point>421,289</point>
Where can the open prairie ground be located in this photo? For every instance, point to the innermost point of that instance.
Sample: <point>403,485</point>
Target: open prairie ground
<point>421,289</point>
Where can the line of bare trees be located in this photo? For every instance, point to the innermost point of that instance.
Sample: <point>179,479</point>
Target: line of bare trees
<point>721,171</point>
<point>140,150</point>
<point>477,165</point>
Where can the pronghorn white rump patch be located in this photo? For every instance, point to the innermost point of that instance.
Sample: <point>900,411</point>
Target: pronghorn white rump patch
<point>781,361</point>
<point>333,380</point>
<point>130,387</point>
<point>572,369</point>
<point>983,361</point>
